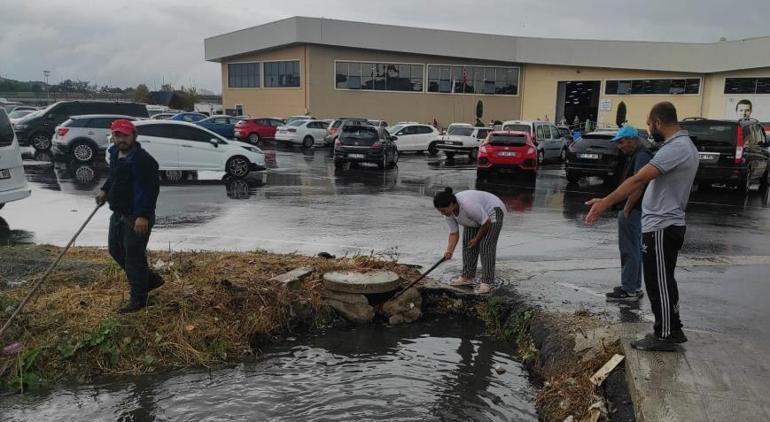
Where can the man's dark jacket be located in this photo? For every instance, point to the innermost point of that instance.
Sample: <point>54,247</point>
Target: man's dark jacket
<point>132,186</point>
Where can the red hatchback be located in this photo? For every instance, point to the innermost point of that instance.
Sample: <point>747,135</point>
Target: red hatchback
<point>256,130</point>
<point>507,151</point>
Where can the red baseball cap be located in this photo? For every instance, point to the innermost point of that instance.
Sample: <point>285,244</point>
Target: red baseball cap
<point>123,126</point>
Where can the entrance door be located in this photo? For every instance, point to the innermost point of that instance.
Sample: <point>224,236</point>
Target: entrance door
<point>578,99</point>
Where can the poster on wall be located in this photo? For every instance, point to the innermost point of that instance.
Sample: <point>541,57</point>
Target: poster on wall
<point>745,106</point>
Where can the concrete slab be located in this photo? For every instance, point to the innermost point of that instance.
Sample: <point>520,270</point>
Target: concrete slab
<point>714,377</point>
<point>371,282</point>
<point>293,277</point>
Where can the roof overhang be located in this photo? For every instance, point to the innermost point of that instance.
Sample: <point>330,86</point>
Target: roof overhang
<point>659,56</point>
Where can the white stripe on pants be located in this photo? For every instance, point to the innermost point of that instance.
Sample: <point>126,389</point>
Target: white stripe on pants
<point>487,249</point>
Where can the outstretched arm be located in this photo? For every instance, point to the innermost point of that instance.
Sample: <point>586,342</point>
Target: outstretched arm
<point>631,185</point>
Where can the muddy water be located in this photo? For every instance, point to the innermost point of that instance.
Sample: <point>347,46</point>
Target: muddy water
<point>441,369</point>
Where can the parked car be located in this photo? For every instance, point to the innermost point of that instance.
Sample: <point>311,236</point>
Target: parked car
<point>23,107</point>
<point>594,155</point>
<point>258,129</point>
<point>17,114</point>
<point>731,152</point>
<point>416,137</point>
<point>365,144</point>
<point>37,128</point>
<point>191,117</point>
<point>462,139</point>
<point>299,117</point>
<point>303,132</point>
<point>551,145</point>
<point>507,151</point>
<point>223,125</point>
<point>82,137</point>
<point>13,183</point>
<point>566,133</point>
<point>182,147</point>
<point>334,126</point>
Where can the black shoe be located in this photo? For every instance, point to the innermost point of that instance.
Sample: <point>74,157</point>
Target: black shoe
<point>620,295</point>
<point>651,343</point>
<point>155,282</point>
<point>676,337</point>
<point>130,307</point>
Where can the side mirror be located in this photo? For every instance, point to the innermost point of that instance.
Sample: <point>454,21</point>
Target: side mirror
<point>394,138</point>
<point>215,142</point>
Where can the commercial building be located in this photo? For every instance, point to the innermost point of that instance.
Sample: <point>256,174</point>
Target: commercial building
<point>330,68</point>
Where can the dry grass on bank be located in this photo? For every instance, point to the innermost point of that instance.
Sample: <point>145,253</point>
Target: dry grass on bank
<point>212,305</point>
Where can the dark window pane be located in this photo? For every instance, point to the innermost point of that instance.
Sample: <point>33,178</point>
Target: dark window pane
<point>677,86</point>
<point>740,85</point>
<point>692,86</point>
<point>763,86</point>
<point>282,74</point>
<point>243,75</point>
<point>611,87</point>
<point>341,77</point>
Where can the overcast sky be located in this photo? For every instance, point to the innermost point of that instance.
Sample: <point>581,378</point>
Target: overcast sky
<point>124,43</point>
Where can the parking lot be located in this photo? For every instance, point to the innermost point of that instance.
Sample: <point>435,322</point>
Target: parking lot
<point>303,204</point>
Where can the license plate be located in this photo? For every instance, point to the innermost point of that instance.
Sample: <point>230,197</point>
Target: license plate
<point>5,174</point>
<point>356,155</point>
<point>708,156</point>
<point>507,153</point>
<point>589,156</point>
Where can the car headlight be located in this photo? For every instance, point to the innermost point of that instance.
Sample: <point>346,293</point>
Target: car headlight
<point>19,126</point>
<point>252,149</point>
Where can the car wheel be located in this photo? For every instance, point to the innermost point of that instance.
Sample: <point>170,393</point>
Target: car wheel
<point>40,141</point>
<point>237,166</point>
<point>395,159</point>
<point>563,155</point>
<point>82,152</point>
<point>308,142</point>
<point>432,150</point>
<point>85,174</point>
<point>255,139</point>
<point>572,177</point>
<point>540,157</point>
<point>450,155</point>
<point>172,176</point>
<point>474,154</point>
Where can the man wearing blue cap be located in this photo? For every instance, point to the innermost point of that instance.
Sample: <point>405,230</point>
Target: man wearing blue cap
<point>630,219</point>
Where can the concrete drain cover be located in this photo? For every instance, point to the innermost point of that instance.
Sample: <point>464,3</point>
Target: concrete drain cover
<point>371,282</point>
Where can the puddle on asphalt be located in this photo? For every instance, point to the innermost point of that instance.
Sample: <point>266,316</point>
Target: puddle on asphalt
<point>442,369</point>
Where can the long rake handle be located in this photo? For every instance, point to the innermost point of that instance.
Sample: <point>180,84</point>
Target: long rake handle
<point>47,272</point>
<point>440,261</point>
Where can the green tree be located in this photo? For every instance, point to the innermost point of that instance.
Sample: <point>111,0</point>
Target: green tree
<point>141,92</point>
<point>479,113</point>
<point>187,98</point>
<point>620,117</point>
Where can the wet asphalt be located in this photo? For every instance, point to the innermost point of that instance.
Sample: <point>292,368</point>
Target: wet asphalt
<point>546,252</point>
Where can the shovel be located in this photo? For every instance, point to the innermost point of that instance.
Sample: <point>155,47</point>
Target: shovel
<point>440,261</point>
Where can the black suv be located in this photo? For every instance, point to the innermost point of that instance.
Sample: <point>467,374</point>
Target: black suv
<point>365,144</point>
<point>37,128</point>
<point>731,152</point>
<point>595,155</point>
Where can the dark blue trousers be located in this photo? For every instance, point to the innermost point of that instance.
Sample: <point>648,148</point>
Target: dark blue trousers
<point>129,250</point>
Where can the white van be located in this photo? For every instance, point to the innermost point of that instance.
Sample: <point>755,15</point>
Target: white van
<point>13,184</point>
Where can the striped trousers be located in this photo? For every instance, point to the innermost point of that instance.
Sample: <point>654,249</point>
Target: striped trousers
<point>660,250</point>
<point>487,249</point>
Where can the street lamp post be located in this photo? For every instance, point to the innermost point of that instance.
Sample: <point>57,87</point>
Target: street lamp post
<point>46,74</point>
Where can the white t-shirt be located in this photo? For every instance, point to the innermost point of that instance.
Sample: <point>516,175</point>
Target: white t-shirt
<point>476,207</point>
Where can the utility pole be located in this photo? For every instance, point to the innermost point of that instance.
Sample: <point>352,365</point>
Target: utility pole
<point>46,74</point>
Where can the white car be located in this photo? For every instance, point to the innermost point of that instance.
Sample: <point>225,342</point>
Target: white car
<point>462,138</point>
<point>180,146</point>
<point>415,137</point>
<point>13,184</point>
<point>298,117</point>
<point>304,132</point>
<point>551,145</point>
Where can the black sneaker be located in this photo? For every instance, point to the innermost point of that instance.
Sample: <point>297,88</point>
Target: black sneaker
<point>620,295</point>
<point>676,337</point>
<point>651,343</point>
<point>130,307</point>
<point>155,281</point>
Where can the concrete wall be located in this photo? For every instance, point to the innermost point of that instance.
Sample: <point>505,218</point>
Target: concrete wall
<point>540,85</point>
<point>279,102</point>
<point>327,101</point>
<point>718,105</point>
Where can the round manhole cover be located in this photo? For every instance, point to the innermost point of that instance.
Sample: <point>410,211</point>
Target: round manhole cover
<point>371,282</point>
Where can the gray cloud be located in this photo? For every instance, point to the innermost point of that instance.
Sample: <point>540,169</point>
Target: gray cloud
<point>125,43</point>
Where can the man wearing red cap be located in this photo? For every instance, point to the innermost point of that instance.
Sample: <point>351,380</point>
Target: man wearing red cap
<point>132,191</point>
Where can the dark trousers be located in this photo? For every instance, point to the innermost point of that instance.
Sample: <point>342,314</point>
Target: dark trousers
<point>129,249</point>
<point>660,250</point>
<point>487,249</point>
<point>630,245</point>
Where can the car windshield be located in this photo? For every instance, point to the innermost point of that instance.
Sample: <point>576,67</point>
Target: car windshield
<point>518,128</point>
<point>460,131</point>
<point>716,134</point>
<point>394,129</point>
<point>297,122</point>
<point>19,113</point>
<point>359,132</point>
<point>508,140</point>
<point>34,114</point>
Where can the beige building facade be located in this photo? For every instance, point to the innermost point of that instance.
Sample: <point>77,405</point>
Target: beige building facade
<point>331,68</point>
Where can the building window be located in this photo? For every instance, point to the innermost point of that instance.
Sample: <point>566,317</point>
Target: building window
<point>379,76</point>
<point>652,86</point>
<point>243,75</point>
<point>747,86</point>
<point>282,74</point>
<point>483,80</point>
